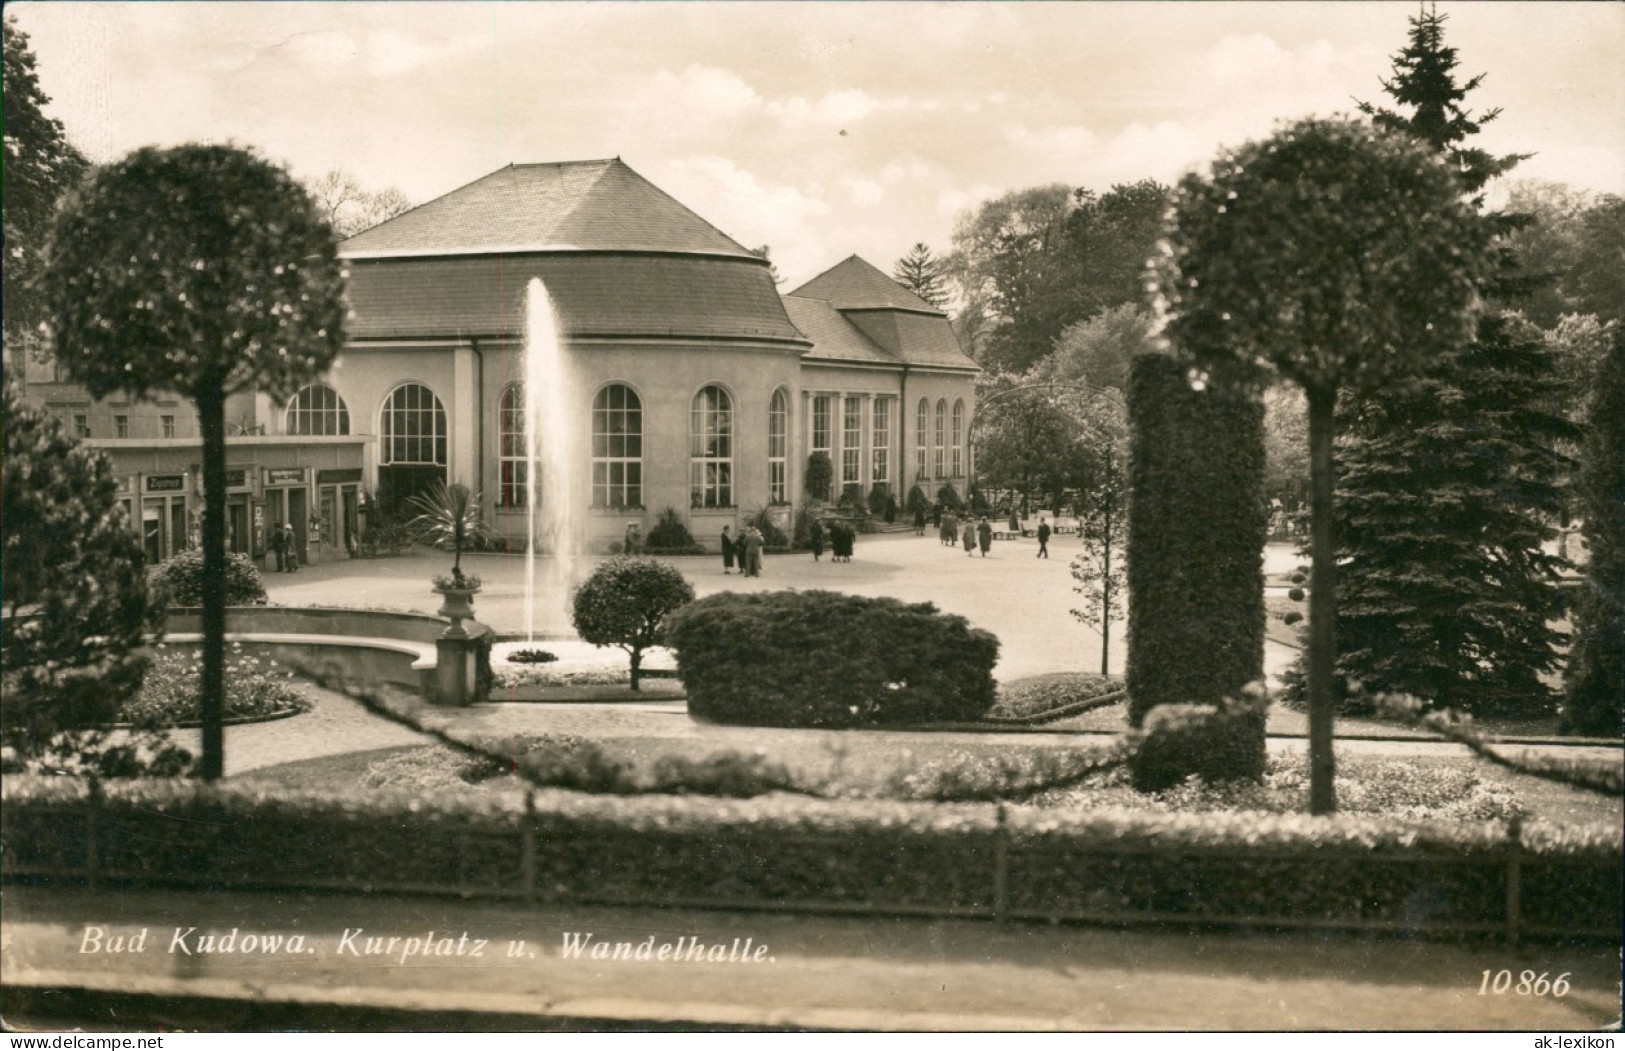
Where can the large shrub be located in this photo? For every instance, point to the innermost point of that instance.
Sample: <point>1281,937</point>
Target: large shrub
<point>1223,742</point>
<point>817,658</point>
<point>181,580</point>
<point>820,473</point>
<point>625,602</point>
<point>1196,532</point>
<point>670,535</point>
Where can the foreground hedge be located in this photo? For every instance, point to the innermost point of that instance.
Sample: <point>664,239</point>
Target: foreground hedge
<point>783,851</point>
<point>820,658</point>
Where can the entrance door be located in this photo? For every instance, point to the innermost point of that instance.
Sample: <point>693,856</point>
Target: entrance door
<point>152,530</point>
<point>299,518</point>
<point>237,536</point>
<point>352,534</point>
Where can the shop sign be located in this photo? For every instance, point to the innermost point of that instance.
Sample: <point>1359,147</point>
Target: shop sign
<point>236,477</point>
<point>284,475</point>
<point>338,475</point>
<point>166,483</point>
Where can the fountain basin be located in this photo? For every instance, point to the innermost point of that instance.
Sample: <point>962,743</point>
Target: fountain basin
<point>583,672</point>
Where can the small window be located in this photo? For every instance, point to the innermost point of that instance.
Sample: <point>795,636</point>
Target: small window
<point>81,425</point>
<point>121,426</point>
<point>168,425</point>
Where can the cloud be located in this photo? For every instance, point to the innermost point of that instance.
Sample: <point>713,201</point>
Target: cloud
<point>706,91</point>
<point>1055,142</point>
<point>750,208</point>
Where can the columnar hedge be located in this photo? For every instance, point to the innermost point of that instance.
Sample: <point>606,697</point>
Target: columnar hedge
<point>818,658</point>
<point>1196,536</point>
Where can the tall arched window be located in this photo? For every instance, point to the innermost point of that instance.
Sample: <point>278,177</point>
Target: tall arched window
<point>710,449</point>
<point>317,410</point>
<point>940,447</point>
<point>959,438</point>
<point>512,460</point>
<point>922,441</point>
<point>880,428</point>
<point>778,447</point>
<point>617,448</point>
<point>411,444</point>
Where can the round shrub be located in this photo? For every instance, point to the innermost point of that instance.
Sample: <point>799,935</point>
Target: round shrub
<point>1223,742</point>
<point>182,580</point>
<point>1291,616</point>
<point>625,602</point>
<point>669,534</point>
<point>818,658</point>
<point>1296,594</point>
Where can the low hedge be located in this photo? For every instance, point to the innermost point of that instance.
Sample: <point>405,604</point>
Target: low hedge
<point>820,658</point>
<point>787,852</point>
<point>1223,742</point>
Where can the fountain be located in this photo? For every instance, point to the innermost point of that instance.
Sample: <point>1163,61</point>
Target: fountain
<point>551,492</point>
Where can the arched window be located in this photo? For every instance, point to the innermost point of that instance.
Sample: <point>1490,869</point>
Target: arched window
<point>959,438</point>
<point>317,410</point>
<point>778,447</point>
<point>940,447</point>
<point>922,440</point>
<point>851,441</point>
<point>411,444</point>
<point>710,449</point>
<point>617,448</point>
<point>512,460</point>
<point>880,427</point>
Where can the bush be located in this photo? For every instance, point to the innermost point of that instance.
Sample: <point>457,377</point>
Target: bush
<point>670,535</point>
<point>917,501</point>
<point>764,523</point>
<point>948,498</point>
<point>1223,742</point>
<point>891,509</point>
<point>1033,697</point>
<point>182,580</point>
<point>817,658</point>
<point>429,769</point>
<point>852,498</point>
<point>1197,524</point>
<point>820,475</point>
<point>625,603</point>
<point>879,494</point>
<point>978,502</point>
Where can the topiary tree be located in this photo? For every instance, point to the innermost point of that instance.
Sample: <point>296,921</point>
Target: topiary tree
<point>206,271</point>
<point>1594,683</point>
<point>1196,531</point>
<point>625,602</point>
<point>77,610</point>
<point>820,475</point>
<point>1340,258</point>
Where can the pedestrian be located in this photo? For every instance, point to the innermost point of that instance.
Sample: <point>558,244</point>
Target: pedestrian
<point>815,536</point>
<point>840,542</point>
<point>919,519</point>
<point>969,537</point>
<point>753,552</point>
<point>984,535</point>
<point>728,553</point>
<point>634,540</point>
<point>278,542</point>
<point>291,543</point>
<point>1043,537</point>
<point>950,529</point>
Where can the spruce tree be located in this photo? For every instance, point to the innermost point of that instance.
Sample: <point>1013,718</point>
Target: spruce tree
<point>924,274</point>
<point>1595,678</point>
<point>1447,486</point>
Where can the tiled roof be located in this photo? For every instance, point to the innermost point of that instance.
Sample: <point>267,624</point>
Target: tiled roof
<point>579,205</point>
<point>594,294</point>
<point>856,284</point>
<point>832,335</point>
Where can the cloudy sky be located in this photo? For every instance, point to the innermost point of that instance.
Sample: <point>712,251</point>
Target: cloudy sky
<point>821,129</point>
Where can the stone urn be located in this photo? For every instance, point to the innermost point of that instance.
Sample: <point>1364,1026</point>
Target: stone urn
<point>457,602</point>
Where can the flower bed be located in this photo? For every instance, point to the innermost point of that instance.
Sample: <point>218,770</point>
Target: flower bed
<point>256,690</point>
<point>578,664</point>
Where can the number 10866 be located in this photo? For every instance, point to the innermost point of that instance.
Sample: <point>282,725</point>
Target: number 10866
<point>1527,983</point>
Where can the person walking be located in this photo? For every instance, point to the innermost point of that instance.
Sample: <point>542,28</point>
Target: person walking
<point>278,543</point>
<point>728,553</point>
<point>290,544</point>
<point>815,536</point>
<point>950,529</point>
<point>753,552</point>
<point>919,519</point>
<point>1043,538</point>
<point>969,538</point>
<point>633,545</point>
<point>984,535</point>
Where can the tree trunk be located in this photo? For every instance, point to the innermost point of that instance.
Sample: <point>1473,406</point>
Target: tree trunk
<point>1322,603</point>
<point>212,420</point>
<point>637,661</point>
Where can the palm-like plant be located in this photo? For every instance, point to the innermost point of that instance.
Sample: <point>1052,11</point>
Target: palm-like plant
<point>449,514</point>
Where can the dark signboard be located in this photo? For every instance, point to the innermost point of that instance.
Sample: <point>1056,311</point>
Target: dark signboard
<point>236,477</point>
<point>166,483</point>
<point>337,475</point>
<point>284,475</point>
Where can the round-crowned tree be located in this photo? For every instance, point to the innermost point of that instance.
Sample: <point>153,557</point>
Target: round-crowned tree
<point>204,271</point>
<point>625,602</point>
<point>1340,258</point>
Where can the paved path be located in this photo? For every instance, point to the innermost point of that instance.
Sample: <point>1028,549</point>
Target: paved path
<point>818,971</point>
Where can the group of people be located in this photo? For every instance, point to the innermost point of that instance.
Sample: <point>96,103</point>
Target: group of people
<point>746,550</point>
<point>841,540</point>
<point>284,546</point>
<point>977,536</point>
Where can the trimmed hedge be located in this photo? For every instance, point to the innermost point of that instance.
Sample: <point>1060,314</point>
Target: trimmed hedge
<point>819,658</point>
<point>181,579</point>
<point>1197,525</point>
<point>784,852</point>
<point>1223,742</point>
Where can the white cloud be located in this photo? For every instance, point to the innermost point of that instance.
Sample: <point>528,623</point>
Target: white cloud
<point>706,91</point>
<point>751,209</point>
<point>863,192</point>
<point>321,50</point>
<point>1061,142</point>
<point>953,200</point>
